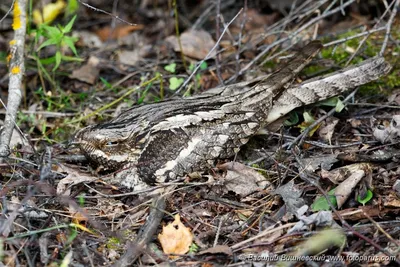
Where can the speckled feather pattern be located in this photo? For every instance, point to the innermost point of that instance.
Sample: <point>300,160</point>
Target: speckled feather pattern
<point>158,142</point>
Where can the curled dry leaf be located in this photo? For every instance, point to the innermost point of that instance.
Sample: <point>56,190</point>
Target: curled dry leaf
<point>88,39</point>
<point>325,162</point>
<point>321,219</point>
<point>242,179</point>
<point>343,191</point>
<point>340,174</point>
<point>391,201</point>
<point>390,133</point>
<point>327,129</point>
<point>175,238</point>
<point>74,177</point>
<point>88,73</point>
<point>110,33</point>
<point>195,43</point>
<point>291,195</point>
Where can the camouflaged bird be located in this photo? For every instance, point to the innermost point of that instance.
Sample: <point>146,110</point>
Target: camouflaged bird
<point>159,142</point>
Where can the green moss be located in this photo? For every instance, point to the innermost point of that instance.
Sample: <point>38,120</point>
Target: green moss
<point>271,64</point>
<point>113,243</point>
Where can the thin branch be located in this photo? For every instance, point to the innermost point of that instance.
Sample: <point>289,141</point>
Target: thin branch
<point>389,26</point>
<point>217,35</point>
<point>354,36</point>
<point>292,35</point>
<point>17,70</point>
<point>107,13</point>
<point>366,37</point>
<point>8,11</point>
<point>301,138</point>
<point>209,53</point>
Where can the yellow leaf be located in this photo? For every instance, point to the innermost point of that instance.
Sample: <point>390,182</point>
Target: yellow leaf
<point>175,238</point>
<point>82,227</point>
<point>49,12</point>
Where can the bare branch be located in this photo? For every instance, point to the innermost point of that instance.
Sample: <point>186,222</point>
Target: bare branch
<point>389,26</point>
<point>17,70</point>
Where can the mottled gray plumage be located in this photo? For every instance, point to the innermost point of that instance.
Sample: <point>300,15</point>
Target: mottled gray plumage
<point>161,141</point>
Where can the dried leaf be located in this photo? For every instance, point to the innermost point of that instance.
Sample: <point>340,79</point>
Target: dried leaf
<point>129,57</point>
<point>344,190</point>
<point>242,179</point>
<point>390,133</point>
<point>223,249</point>
<point>291,195</point>
<point>87,73</point>
<point>195,43</point>
<point>74,177</point>
<point>340,174</point>
<point>327,129</point>
<point>88,39</point>
<point>175,237</point>
<point>109,33</point>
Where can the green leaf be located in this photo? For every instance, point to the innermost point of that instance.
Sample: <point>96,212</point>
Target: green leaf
<point>48,60</point>
<point>73,59</point>
<point>69,41</point>
<point>203,66</point>
<point>174,83</point>
<point>171,67</point>
<point>309,119</point>
<point>198,77</point>
<point>47,43</point>
<point>191,67</point>
<point>58,60</point>
<point>330,102</point>
<point>144,94</point>
<point>368,196</point>
<point>339,106</point>
<point>106,83</point>
<point>322,204</point>
<point>193,248</point>
<point>72,7</point>
<point>293,119</point>
<point>81,199</point>
<point>68,27</point>
<point>51,31</point>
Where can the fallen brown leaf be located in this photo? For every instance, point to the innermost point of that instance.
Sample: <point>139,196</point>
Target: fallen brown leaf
<point>88,73</point>
<point>195,43</point>
<point>108,33</point>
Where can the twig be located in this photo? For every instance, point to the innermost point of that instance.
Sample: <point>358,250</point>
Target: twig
<point>221,220</point>
<point>366,37</point>
<point>203,16</point>
<point>209,53</point>
<point>292,35</point>
<point>354,36</point>
<point>239,42</point>
<point>217,33</point>
<point>303,175</point>
<point>178,36</point>
<point>146,232</point>
<point>389,26</point>
<point>107,13</point>
<point>300,139</point>
<point>8,11</point>
<point>17,70</point>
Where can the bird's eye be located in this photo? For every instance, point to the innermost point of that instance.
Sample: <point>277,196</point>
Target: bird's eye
<point>112,143</point>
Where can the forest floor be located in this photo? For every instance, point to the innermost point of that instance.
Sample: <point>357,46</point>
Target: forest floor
<point>320,187</point>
